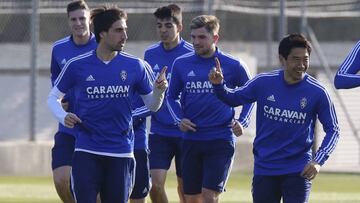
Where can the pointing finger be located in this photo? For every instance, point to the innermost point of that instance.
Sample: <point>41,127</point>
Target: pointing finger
<point>217,65</point>
<point>163,73</point>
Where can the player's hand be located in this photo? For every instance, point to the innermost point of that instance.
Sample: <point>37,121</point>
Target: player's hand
<point>161,82</point>
<point>64,104</point>
<point>186,125</point>
<point>71,119</point>
<point>216,76</point>
<point>311,170</point>
<point>237,128</point>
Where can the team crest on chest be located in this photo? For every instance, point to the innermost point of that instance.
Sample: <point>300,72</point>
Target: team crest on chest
<point>303,103</point>
<point>123,75</point>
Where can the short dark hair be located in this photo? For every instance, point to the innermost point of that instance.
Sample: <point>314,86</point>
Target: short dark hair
<point>103,18</point>
<point>75,5</point>
<point>172,11</point>
<point>294,40</point>
<point>210,22</point>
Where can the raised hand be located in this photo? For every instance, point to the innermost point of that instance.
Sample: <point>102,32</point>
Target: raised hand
<point>71,119</point>
<point>216,76</point>
<point>161,82</point>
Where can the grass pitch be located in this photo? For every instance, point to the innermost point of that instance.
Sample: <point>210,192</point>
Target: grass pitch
<point>327,188</point>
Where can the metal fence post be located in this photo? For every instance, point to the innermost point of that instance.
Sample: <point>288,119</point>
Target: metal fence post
<point>33,67</point>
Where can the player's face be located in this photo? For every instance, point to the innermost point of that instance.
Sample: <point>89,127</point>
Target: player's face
<point>116,36</point>
<point>79,22</point>
<point>296,65</point>
<point>203,42</point>
<point>168,30</point>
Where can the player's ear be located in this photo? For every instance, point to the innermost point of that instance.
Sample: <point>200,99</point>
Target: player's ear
<point>216,38</point>
<point>179,27</point>
<point>282,60</point>
<point>102,34</point>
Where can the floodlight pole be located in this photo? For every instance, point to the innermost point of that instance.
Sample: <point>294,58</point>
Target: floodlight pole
<point>33,68</point>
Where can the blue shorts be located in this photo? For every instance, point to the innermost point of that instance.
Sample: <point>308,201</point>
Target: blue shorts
<point>142,175</point>
<point>63,150</point>
<point>206,164</point>
<point>162,151</point>
<point>112,177</point>
<point>293,188</point>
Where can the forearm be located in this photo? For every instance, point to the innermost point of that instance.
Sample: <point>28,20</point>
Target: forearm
<point>226,96</point>
<point>244,117</point>
<point>54,105</point>
<point>346,81</point>
<point>153,100</point>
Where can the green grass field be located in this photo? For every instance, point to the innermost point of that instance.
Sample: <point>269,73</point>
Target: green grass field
<point>327,188</point>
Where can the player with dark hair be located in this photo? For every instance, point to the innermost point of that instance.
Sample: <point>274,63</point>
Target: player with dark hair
<point>208,124</point>
<point>104,82</point>
<point>80,41</point>
<point>165,137</point>
<point>289,101</point>
<point>142,183</point>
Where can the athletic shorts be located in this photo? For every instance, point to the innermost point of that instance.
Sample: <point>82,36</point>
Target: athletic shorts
<point>112,177</point>
<point>162,151</point>
<point>292,188</point>
<point>206,164</point>
<point>63,150</point>
<point>142,175</point>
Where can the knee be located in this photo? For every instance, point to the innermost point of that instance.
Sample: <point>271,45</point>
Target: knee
<point>210,195</point>
<point>61,180</point>
<point>156,187</point>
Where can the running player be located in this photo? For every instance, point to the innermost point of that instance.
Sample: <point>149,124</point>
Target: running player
<point>142,183</point>
<point>209,140</point>
<point>289,101</point>
<point>104,82</point>
<point>165,137</point>
<point>80,41</point>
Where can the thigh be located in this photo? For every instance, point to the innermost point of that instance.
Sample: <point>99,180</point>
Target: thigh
<point>218,156</point>
<point>86,177</point>
<point>192,167</point>
<point>118,179</point>
<point>266,189</point>
<point>63,150</point>
<point>296,189</point>
<point>161,152</point>
<point>142,175</point>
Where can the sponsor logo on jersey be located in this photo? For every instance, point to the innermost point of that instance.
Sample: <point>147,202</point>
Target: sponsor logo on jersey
<point>156,67</point>
<point>191,74</point>
<point>271,98</point>
<point>199,87</point>
<point>90,78</point>
<point>284,115</point>
<point>123,75</point>
<point>110,91</point>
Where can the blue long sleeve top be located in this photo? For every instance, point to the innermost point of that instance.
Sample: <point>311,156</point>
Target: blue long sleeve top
<point>189,81</point>
<point>157,56</point>
<point>62,51</point>
<point>285,121</point>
